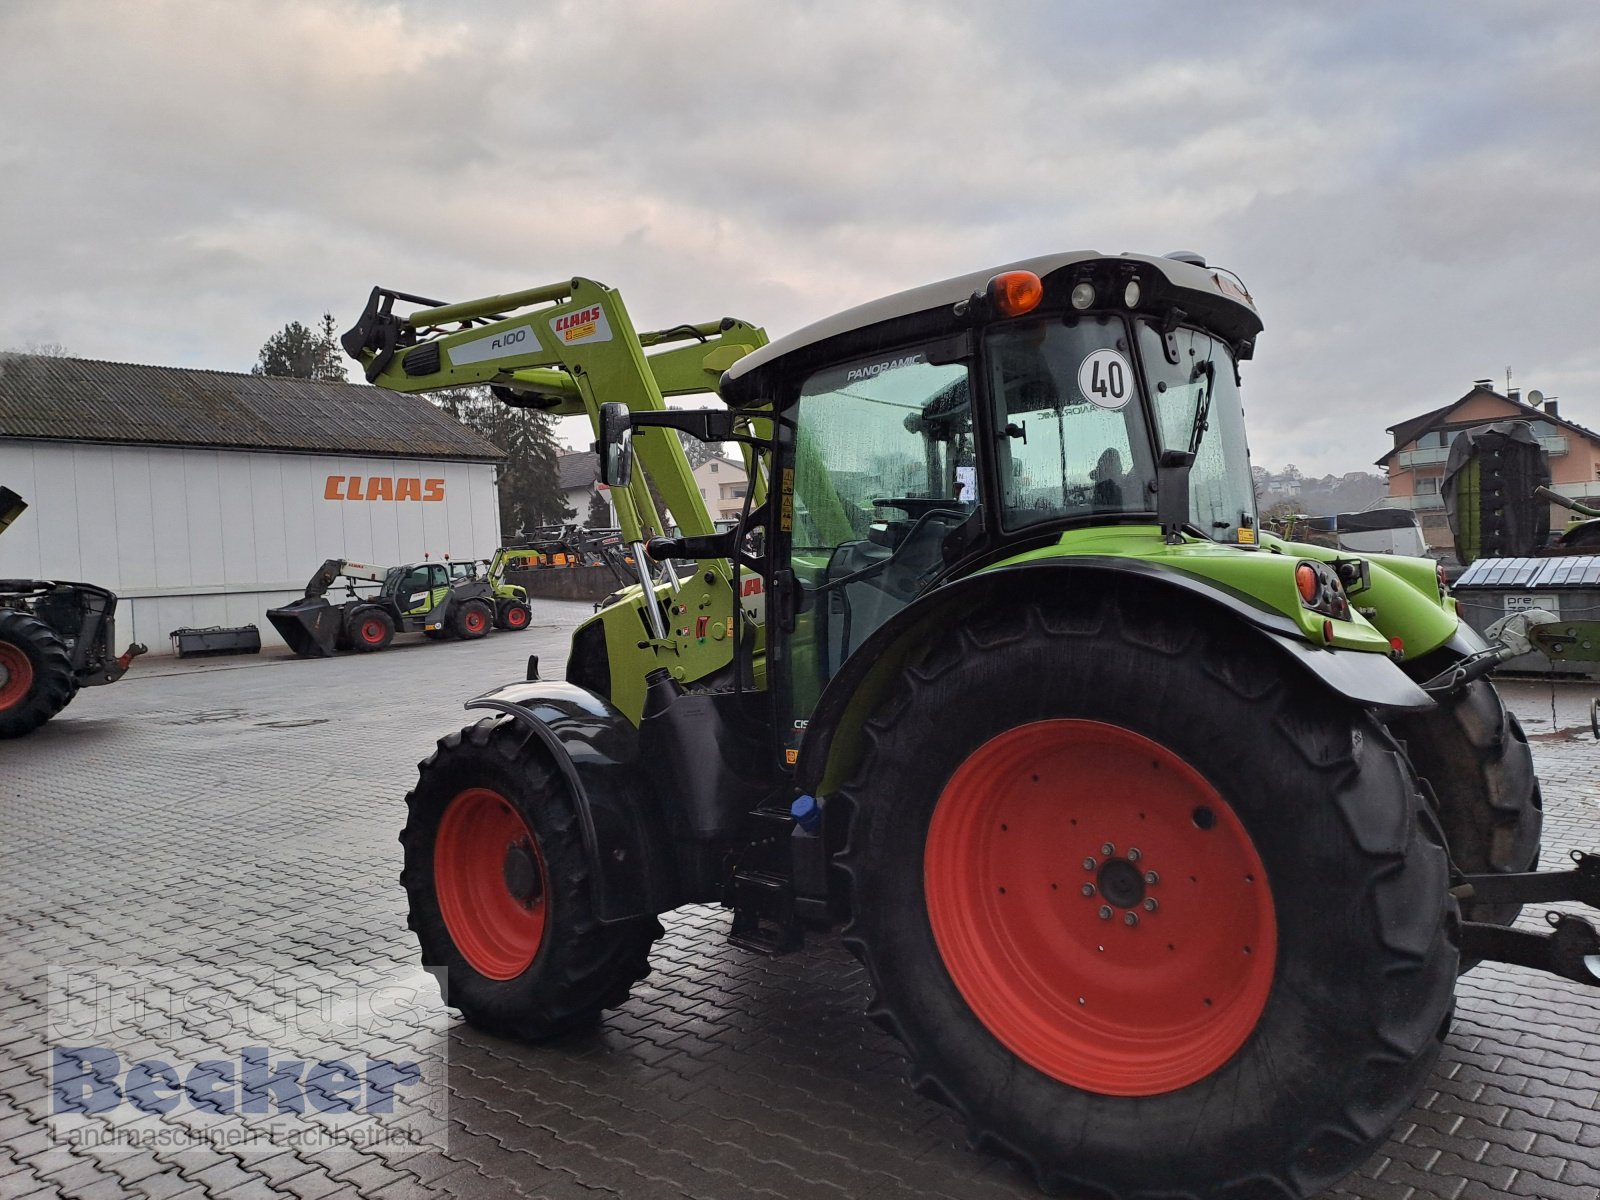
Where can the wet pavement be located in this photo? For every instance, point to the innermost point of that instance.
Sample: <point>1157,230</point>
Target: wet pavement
<point>198,884</point>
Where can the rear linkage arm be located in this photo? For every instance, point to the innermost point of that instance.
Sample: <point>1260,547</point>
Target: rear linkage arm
<point>1572,948</point>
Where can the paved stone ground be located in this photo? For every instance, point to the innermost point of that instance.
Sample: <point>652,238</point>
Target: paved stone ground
<point>225,830</point>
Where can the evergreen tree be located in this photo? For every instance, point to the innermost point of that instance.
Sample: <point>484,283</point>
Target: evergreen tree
<point>530,495</point>
<point>599,511</point>
<point>295,352</point>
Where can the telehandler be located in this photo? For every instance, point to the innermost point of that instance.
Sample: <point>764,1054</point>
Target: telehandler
<point>1162,839</point>
<point>55,638</point>
<point>414,597</point>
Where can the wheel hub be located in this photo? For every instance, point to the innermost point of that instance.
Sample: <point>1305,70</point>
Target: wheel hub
<point>521,874</point>
<point>1121,883</point>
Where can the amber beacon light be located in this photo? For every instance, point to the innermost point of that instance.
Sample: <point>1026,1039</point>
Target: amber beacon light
<point>1013,293</point>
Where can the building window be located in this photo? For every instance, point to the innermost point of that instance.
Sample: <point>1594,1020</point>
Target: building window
<point>1431,441</point>
<point>1428,486</point>
<point>713,468</point>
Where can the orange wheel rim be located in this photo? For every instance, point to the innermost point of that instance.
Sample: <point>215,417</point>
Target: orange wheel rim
<point>372,631</point>
<point>516,618</point>
<point>474,622</point>
<point>1100,907</point>
<point>491,882</point>
<point>16,676</point>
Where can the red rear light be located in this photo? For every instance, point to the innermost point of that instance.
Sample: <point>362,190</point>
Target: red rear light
<point>1013,293</point>
<point>1306,580</point>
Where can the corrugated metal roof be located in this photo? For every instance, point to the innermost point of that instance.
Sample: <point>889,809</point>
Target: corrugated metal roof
<point>81,400</point>
<point>1505,574</point>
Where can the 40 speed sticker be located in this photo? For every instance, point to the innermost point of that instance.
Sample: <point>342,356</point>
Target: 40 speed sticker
<point>1105,379</point>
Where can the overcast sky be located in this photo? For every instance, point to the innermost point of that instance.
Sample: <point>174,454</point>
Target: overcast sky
<point>1411,191</point>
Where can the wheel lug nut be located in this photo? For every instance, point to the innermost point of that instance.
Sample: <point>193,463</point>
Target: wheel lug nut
<point>1088,889</point>
<point>1088,864</point>
<point>1105,912</point>
<point>1133,854</point>
<point>1150,904</point>
<point>1131,919</point>
<point>1151,877</point>
<point>1108,849</point>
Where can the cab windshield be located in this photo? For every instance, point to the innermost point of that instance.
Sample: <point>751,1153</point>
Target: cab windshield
<point>1070,433</point>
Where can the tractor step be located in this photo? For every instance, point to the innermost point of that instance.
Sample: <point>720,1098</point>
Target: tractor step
<point>1571,949</point>
<point>763,913</point>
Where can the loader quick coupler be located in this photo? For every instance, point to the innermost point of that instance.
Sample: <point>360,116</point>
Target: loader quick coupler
<point>1572,948</point>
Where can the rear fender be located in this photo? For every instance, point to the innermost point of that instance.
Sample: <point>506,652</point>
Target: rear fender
<point>862,685</point>
<point>596,749</point>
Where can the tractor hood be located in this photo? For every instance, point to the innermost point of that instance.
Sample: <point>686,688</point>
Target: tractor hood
<point>12,506</point>
<point>1210,297</point>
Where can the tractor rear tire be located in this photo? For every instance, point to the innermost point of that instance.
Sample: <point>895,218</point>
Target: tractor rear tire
<point>36,679</point>
<point>498,883</point>
<point>1153,912</point>
<point>369,630</point>
<point>513,615</point>
<point>471,620</point>
<point>1475,757</point>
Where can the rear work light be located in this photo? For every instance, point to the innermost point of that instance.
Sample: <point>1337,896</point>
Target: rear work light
<point>1013,293</point>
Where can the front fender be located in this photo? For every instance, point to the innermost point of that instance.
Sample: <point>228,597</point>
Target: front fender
<point>596,750</point>
<point>862,684</point>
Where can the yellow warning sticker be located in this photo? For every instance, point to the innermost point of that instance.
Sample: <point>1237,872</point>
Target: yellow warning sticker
<point>1247,536</point>
<point>791,757</point>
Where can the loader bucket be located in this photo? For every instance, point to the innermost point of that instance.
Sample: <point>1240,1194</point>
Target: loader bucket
<point>310,626</point>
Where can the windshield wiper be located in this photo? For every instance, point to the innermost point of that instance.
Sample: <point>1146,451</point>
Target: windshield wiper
<point>1202,408</point>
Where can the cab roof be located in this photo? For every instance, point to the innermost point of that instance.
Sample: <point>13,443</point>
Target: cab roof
<point>1212,297</point>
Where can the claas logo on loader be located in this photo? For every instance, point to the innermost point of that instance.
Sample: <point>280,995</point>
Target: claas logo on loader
<point>381,487</point>
<point>585,325</point>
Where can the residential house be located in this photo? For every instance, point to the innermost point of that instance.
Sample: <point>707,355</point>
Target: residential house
<point>1422,445</point>
<point>722,486</point>
<point>578,478</point>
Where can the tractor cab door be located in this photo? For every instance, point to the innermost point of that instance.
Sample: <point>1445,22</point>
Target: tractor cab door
<point>419,588</point>
<point>884,472</point>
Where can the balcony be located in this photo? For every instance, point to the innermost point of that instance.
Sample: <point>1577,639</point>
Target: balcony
<point>1423,458</point>
<point>1555,447</point>
<point>1423,503</point>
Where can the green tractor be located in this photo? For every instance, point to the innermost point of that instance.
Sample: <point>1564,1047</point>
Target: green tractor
<point>422,596</point>
<point>1162,840</point>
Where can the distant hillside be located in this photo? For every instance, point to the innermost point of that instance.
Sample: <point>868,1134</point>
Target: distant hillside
<point>1350,492</point>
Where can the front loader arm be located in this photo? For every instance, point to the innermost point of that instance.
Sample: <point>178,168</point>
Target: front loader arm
<point>565,348</point>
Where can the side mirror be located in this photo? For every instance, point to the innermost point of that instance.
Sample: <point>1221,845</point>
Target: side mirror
<point>615,446</point>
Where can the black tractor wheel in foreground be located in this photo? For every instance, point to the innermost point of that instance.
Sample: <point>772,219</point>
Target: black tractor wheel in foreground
<point>1476,759</point>
<point>498,885</point>
<point>1152,912</point>
<point>471,619</point>
<point>370,629</point>
<point>36,680</point>
<point>513,615</point>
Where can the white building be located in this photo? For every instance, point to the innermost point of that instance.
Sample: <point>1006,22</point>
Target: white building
<point>205,498</point>
<point>722,486</point>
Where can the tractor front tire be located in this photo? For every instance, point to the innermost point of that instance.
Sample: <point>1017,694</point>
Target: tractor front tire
<point>513,615</point>
<point>1475,757</point>
<point>370,629</point>
<point>498,884</point>
<point>1151,911</point>
<point>471,620</point>
<point>36,679</point>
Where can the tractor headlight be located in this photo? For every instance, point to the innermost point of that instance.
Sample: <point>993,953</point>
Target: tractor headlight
<point>1082,295</point>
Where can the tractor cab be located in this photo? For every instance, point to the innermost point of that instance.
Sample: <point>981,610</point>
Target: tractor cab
<point>944,430</point>
<point>417,588</point>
